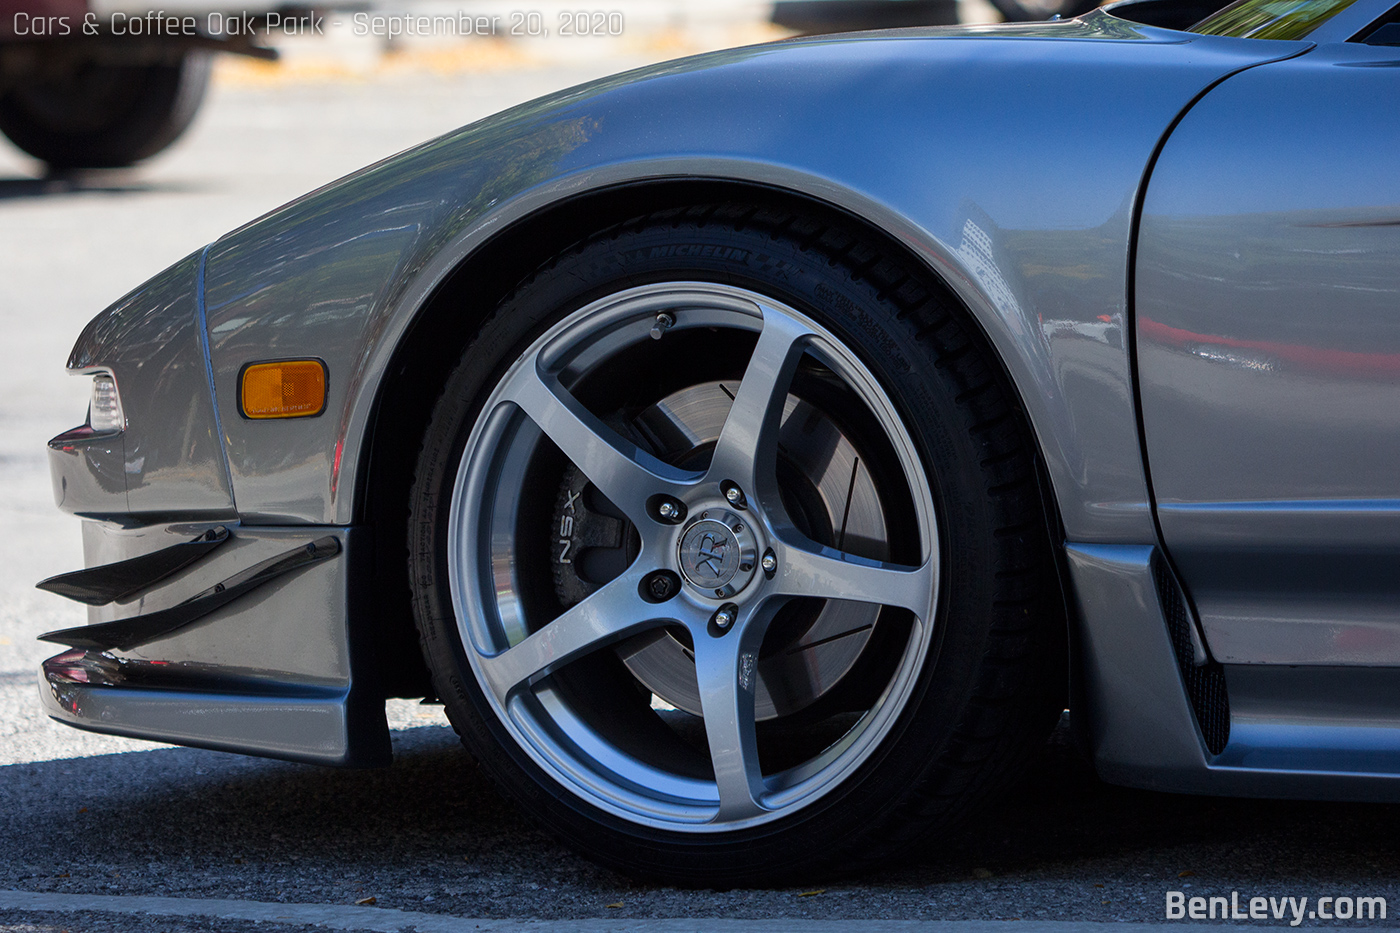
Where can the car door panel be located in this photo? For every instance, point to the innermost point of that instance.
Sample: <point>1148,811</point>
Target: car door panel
<point>1267,314</point>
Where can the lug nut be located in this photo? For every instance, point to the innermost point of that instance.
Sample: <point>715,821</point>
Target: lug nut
<point>664,322</point>
<point>769,563</point>
<point>725,616</point>
<point>733,493</point>
<point>666,510</point>
<point>660,585</point>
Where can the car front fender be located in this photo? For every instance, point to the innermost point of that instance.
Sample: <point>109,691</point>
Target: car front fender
<point>169,457</point>
<point>1009,162</point>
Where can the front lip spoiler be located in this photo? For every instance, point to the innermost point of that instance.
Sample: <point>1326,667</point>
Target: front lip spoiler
<point>125,634</point>
<point>97,586</point>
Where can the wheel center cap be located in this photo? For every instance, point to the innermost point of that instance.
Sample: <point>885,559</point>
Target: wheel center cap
<point>717,553</point>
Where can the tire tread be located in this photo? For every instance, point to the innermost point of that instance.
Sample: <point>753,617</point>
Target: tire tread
<point>1014,701</point>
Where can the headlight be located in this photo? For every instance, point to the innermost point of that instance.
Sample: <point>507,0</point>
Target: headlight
<point>105,406</point>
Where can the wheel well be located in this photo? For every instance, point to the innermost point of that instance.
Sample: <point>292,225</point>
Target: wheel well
<point>449,319</point>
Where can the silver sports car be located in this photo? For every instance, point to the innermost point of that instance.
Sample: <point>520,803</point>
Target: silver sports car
<point>756,453</point>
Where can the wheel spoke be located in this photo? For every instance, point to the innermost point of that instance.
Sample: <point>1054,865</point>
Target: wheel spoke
<point>605,616</point>
<point>830,574</point>
<point>851,460</point>
<point>622,471</point>
<point>746,450</point>
<point>727,671</point>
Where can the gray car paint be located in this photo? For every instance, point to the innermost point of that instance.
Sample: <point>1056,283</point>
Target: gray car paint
<point>1269,355</point>
<point>1139,725</point>
<point>1320,732</point>
<point>169,458</point>
<point>1010,160</point>
<point>276,673</point>
<point>342,273</point>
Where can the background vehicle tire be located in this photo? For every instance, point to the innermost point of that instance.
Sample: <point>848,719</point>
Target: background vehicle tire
<point>566,428</point>
<point>1028,11</point>
<point>817,17</point>
<point>105,116</point>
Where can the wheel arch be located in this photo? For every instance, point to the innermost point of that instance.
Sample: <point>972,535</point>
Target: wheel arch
<point>452,312</point>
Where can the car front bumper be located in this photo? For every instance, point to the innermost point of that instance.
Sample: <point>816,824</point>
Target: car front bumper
<point>202,630</point>
<point>271,672</point>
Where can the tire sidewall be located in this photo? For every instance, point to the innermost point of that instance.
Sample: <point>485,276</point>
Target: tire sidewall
<point>160,103</point>
<point>856,313</point>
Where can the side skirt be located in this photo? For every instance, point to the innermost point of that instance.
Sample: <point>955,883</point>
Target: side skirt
<point>1294,731</point>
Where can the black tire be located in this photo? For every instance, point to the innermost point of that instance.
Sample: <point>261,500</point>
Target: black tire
<point>1029,11</point>
<point>105,116</point>
<point>992,683</point>
<point>818,17</point>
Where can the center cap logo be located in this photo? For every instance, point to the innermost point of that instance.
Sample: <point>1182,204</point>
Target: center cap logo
<point>709,555</point>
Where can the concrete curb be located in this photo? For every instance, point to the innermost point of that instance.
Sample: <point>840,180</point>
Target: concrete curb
<point>386,920</point>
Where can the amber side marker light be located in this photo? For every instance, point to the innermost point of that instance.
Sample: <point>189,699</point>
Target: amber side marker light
<point>282,389</point>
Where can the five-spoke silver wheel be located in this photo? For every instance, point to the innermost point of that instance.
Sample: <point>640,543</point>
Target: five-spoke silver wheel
<point>727,550</point>
<point>733,553</point>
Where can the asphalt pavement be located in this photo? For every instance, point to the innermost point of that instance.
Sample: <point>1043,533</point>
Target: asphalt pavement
<point>135,823</point>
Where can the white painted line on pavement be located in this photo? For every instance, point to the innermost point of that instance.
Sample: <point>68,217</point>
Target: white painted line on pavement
<point>386,920</point>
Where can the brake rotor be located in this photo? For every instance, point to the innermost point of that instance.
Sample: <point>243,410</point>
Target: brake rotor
<point>827,490</point>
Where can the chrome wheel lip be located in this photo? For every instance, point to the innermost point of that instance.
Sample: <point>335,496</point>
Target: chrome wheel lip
<point>581,761</point>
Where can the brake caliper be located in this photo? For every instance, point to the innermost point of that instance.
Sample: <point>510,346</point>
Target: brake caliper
<point>591,543</point>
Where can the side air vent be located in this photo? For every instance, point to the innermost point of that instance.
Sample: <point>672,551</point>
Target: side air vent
<point>1204,678</point>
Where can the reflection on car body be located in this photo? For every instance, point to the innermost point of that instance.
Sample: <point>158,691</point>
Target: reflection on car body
<point>755,453</point>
